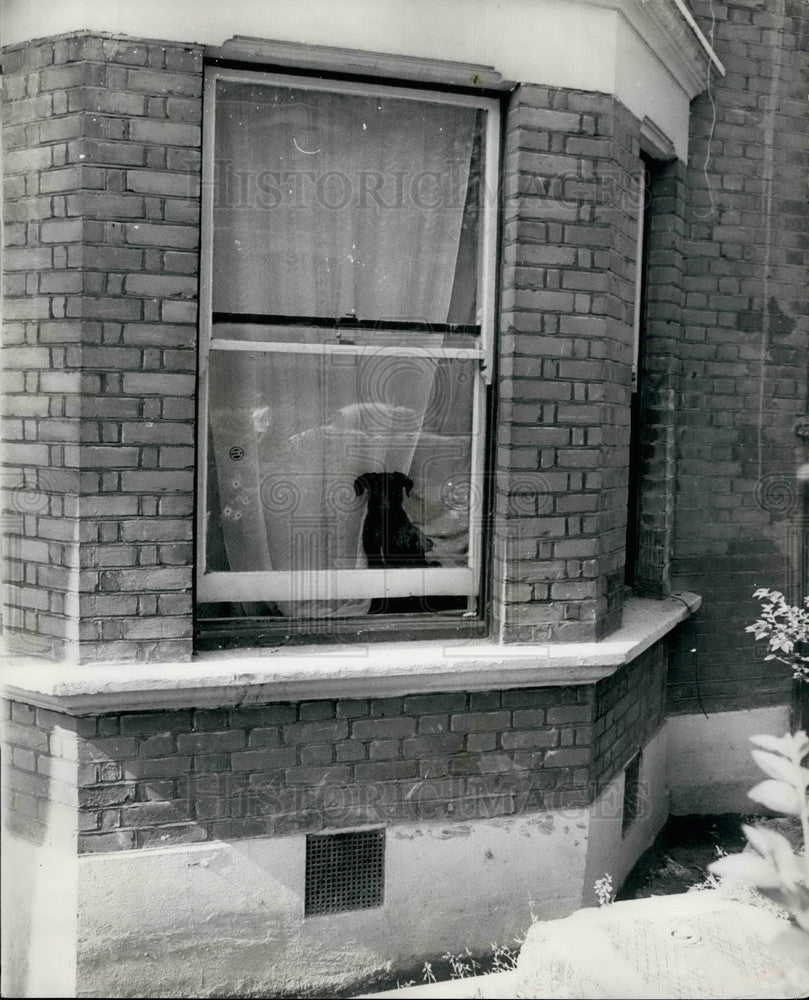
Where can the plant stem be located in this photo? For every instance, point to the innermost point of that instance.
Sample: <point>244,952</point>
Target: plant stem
<point>804,807</point>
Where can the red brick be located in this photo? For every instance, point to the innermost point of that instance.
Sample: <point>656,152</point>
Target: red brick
<point>383,728</point>
<point>386,770</point>
<point>567,757</point>
<point>209,742</point>
<point>264,760</point>
<point>480,722</point>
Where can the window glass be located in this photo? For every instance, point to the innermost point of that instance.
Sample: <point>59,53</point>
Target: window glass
<point>343,307</point>
<point>344,204</point>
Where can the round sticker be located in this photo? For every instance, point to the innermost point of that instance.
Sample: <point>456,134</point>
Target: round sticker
<point>236,453</point>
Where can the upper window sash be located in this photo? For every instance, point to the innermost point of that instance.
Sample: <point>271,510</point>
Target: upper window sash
<point>488,224</point>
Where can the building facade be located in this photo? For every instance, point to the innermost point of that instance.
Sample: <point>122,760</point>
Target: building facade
<point>278,722</point>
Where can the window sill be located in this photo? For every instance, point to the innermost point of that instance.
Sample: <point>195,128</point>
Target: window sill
<point>215,680</point>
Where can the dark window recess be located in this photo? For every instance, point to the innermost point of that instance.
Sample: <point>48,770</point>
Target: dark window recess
<point>637,415</point>
<point>631,793</point>
<point>345,871</point>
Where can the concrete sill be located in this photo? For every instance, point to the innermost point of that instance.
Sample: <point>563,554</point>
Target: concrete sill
<point>240,677</point>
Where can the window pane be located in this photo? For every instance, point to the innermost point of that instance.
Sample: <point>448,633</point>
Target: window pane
<point>338,462</point>
<point>379,337</point>
<point>328,204</point>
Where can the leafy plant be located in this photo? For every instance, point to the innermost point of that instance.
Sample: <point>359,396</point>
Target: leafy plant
<point>604,890</point>
<point>504,959</point>
<point>786,629</point>
<point>462,966</point>
<point>710,881</point>
<point>772,867</point>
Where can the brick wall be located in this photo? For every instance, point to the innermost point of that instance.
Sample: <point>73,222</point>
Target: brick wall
<point>102,159</point>
<point>153,778</point>
<point>103,176</point>
<point>40,771</point>
<point>740,518</point>
<point>629,708</point>
<point>571,203</point>
<point>660,377</point>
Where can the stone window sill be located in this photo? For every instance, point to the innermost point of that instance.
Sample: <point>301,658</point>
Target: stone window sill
<point>250,677</point>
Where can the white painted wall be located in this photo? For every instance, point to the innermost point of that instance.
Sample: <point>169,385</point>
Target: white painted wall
<point>710,769</point>
<point>228,917</point>
<point>561,43</point>
<point>645,86</point>
<point>39,911</point>
<point>610,851</point>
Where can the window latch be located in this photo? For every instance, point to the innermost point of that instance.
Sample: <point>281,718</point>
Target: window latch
<point>348,319</point>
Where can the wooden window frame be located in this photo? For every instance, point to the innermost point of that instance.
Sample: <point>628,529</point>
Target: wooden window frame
<point>285,585</point>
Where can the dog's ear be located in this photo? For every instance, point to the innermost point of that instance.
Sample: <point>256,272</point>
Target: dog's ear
<point>361,484</point>
<point>408,485</point>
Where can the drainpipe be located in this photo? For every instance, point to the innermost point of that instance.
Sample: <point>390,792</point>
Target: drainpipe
<point>800,689</point>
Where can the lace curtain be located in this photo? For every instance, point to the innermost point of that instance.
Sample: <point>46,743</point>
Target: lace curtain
<point>328,205</point>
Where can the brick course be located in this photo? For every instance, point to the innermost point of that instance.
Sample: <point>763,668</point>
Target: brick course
<point>102,175</point>
<point>151,778</point>
<point>104,144</point>
<point>570,224</point>
<point>740,521</point>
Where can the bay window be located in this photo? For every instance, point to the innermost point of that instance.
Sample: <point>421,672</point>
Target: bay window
<point>347,318</point>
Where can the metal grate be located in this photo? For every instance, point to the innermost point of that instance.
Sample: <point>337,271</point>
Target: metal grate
<point>631,790</point>
<point>344,871</point>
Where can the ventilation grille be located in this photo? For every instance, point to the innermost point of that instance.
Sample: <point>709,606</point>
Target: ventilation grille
<point>631,790</point>
<point>344,871</point>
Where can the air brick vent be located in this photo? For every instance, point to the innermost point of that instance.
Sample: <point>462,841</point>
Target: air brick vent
<point>344,871</point>
<point>631,790</point>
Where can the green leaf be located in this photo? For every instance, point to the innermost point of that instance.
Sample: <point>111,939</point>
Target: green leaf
<point>778,796</point>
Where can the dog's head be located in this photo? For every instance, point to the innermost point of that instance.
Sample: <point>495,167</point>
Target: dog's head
<point>383,487</point>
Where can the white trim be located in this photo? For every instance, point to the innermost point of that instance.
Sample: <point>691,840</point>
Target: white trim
<point>333,59</point>
<point>654,141</point>
<point>488,249</point>
<point>205,310</point>
<point>356,584</point>
<point>703,41</point>
<point>268,347</point>
<point>477,478</point>
<point>268,675</point>
<point>681,47</point>
<point>329,85</point>
<point>333,585</point>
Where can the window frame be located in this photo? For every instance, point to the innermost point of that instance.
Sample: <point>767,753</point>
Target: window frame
<point>286,585</point>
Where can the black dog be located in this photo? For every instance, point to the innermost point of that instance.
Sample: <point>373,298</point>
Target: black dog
<point>389,538</point>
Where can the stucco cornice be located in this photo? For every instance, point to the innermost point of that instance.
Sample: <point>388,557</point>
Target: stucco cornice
<point>673,35</point>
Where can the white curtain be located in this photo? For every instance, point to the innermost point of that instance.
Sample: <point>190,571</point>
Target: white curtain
<point>329,204</point>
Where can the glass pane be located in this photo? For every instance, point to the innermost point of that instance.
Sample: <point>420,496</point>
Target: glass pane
<point>380,337</point>
<point>334,204</point>
<point>338,462</point>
